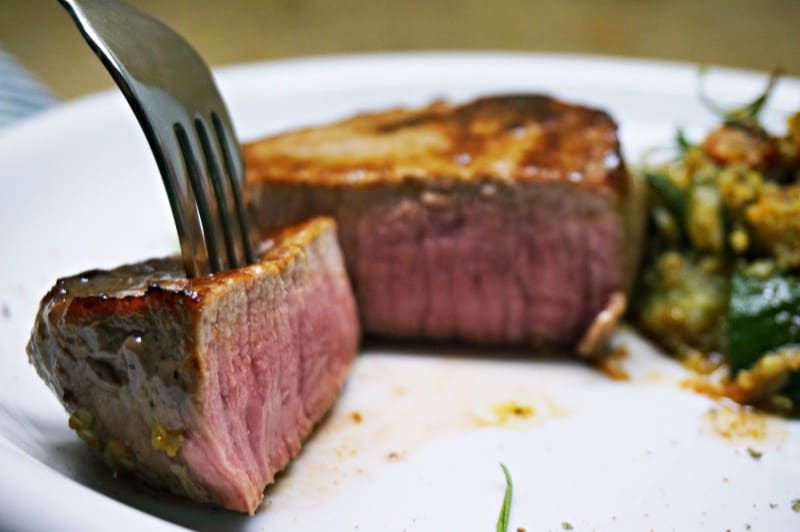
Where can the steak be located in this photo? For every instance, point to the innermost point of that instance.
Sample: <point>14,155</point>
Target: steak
<point>507,220</point>
<point>206,386</point>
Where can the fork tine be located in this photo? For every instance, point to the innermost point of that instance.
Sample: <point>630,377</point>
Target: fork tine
<point>224,195</point>
<point>234,167</point>
<point>183,205</point>
<point>206,200</point>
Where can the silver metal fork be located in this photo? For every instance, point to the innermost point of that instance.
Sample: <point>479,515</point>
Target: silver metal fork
<point>171,91</point>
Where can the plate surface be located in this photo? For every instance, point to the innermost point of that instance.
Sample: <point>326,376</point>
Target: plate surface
<point>80,191</point>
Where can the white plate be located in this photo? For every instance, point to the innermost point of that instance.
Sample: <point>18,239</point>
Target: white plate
<point>80,190</point>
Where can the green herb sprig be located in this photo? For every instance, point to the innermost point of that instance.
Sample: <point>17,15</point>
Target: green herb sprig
<point>682,141</point>
<point>746,115</point>
<point>505,509</point>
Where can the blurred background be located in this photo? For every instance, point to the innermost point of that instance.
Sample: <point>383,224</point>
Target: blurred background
<point>756,34</point>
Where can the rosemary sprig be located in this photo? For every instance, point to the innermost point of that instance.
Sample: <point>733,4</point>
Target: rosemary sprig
<point>505,510</point>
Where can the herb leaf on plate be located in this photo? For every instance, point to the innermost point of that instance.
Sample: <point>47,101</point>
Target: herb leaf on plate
<point>505,509</point>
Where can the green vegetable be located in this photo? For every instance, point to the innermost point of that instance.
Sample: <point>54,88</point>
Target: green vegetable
<point>704,222</point>
<point>682,141</point>
<point>764,314</point>
<point>682,302</point>
<point>502,520</point>
<point>669,194</point>
<point>746,115</point>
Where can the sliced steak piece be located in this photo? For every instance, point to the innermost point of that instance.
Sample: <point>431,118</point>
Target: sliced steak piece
<point>207,386</point>
<point>510,219</point>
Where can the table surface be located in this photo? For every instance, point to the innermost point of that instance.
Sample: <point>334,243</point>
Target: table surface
<point>743,33</point>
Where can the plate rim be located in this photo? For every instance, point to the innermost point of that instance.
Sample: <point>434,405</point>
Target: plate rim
<point>231,74</point>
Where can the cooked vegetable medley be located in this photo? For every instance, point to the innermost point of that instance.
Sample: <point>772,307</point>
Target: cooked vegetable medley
<point>720,286</point>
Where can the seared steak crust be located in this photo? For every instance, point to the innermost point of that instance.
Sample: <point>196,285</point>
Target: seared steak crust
<point>509,219</point>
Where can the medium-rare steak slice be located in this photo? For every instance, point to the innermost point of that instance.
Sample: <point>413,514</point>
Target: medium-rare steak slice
<point>206,386</point>
<point>510,219</point>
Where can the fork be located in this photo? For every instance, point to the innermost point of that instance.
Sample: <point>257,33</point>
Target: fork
<point>171,91</point>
